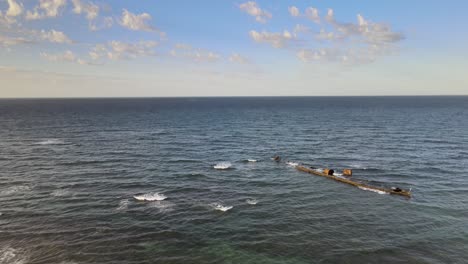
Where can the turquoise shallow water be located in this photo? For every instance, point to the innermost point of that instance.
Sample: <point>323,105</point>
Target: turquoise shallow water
<point>70,169</point>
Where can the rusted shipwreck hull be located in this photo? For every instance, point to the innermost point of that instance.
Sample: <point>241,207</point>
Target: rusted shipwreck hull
<point>396,191</point>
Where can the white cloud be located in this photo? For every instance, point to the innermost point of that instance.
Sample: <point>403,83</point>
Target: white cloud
<point>254,10</point>
<point>14,8</point>
<point>294,11</point>
<point>67,56</point>
<point>46,9</point>
<point>328,35</point>
<point>121,50</point>
<point>349,43</point>
<point>136,22</point>
<point>90,9</point>
<point>7,41</point>
<point>186,51</point>
<point>55,36</point>
<point>277,40</point>
<point>313,14</point>
<point>99,24</point>
<point>322,54</point>
<point>237,58</point>
<point>330,15</point>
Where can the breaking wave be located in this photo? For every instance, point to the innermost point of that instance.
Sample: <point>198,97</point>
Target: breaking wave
<point>371,190</point>
<point>150,197</point>
<point>123,205</point>
<point>162,206</point>
<point>51,142</point>
<point>292,164</point>
<point>220,207</point>
<point>251,201</point>
<point>222,166</point>
<point>15,189</point>
<point>11,256</point>
<point>252,160</point>
<point>60,193</point>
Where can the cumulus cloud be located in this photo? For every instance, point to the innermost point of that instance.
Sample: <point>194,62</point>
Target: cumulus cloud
<point>294,11</point>
<point>357,42</point>
<point>254,10</point>
<point>100,24</point>
<point>313,14</point>
<point>90,9</point>
<point>121,50</point>
<point>186,51</point>
<point>55,36</point>
<point>7,41</point>
<point>275,39</point>
<point>14,8</point>
<point>46,9</point>
<point>237,58</point>
<point>67,56</point>
<point>138,22</point>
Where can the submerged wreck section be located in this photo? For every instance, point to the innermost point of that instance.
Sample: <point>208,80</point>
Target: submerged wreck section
<point>328,173</point>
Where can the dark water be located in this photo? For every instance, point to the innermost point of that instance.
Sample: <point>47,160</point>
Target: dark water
<point>70,169</point>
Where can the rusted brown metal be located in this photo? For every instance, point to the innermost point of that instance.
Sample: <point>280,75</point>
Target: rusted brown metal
<point>396,191</point>
<point>348,172</point>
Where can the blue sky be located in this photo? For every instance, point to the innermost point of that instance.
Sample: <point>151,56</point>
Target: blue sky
<point>78,48</point>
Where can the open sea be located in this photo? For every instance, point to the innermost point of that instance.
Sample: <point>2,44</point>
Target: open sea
<point>191,180</point>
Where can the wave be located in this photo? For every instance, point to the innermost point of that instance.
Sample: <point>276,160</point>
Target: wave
<point>51,142</point>
<point>358,166</point>
<point>162,206</point>
<point>371,190</point>
<point>123,205</point>
<point>60,193</point>
<point>11,255</point>
<point>251,201</point>
<point>292,164</point>
<point>220,207</point>
<point>15,189</point>
<point>222,166</point>
<point>150,197</point>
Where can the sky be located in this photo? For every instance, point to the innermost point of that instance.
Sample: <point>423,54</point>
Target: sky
<point>166,48</point>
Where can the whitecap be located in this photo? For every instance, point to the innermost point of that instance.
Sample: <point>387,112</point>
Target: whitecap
<point>60,193</point>
<point>371,190</point>
<point>358,166</point>
<point>123,205</point>
<point>251,201</point>
<point>150,197</point>
<point>11,255</point>
<point>220,207</point>
<point>51,142</point>
<point>252,160</point>
<point>292,164</point>
<point>162,206</point>
<point>15,189</point>
<point>222,166</point>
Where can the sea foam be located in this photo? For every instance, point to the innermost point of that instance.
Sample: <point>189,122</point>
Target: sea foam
<point>123,205</point>
<point>292,164</point>
<point>220,207</point>
<point>11,255</point>
<point>150,197</point>
<point>16,189</point>
<point>371,190</point>
<point>222,166</point>
<point>251,201</point>
<point>51,142</point>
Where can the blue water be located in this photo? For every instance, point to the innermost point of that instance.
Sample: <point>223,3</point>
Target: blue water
<point>70,168</point>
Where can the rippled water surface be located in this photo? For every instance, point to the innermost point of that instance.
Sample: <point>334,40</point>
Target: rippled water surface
<point>191,180</point>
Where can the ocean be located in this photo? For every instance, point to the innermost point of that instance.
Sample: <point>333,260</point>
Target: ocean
<point>191,180</point>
